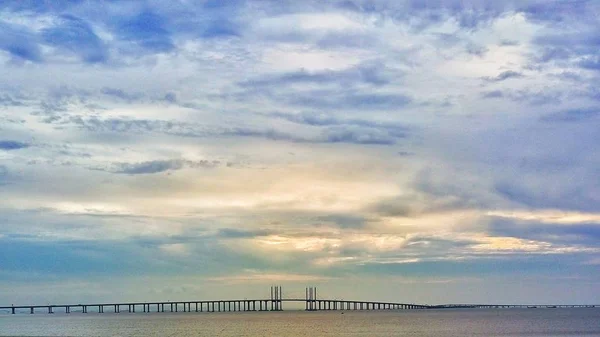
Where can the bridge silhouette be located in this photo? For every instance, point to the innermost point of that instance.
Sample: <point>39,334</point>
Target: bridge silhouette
<point>274,303</point>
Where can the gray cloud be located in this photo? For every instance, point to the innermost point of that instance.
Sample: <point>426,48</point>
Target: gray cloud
<point>9,145</point>
<point>121,94</point>
<point>76,36</point>
<point>574,196</point>
<point>20,42</point>
<point>234,233</point>
<point>3,174</point>
<point>541,97</point>
<point>343,220</point>
<point>504,76</point>
<point>430,193</point>
<point>158,166</point>
<point>572,115</point>
<point>357,135</point>
<point>357,131</point>
<point>323,99</point>
<point>326,119</point>
<point>492,94</point>
<point>373,74</point>
<point>352,131</point>
<point>586,234</point>
<point>150,167</point>
<point>9,100</point>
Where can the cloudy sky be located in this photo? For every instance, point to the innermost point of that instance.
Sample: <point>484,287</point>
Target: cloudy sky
<point>419,151</point>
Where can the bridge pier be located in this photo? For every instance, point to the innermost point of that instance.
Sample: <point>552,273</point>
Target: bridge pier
<point>50,311</point>
<point>31,310</point>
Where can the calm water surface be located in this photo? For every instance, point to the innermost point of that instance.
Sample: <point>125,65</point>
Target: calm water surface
<point>435,323</point>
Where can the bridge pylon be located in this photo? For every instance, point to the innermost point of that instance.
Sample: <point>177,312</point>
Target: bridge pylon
<point>311,299</point>
<point>276,298</point>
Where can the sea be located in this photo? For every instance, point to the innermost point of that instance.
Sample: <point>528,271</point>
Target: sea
<point>415,323</point>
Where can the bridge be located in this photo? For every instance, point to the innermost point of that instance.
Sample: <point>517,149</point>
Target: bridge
<point>274,303</point>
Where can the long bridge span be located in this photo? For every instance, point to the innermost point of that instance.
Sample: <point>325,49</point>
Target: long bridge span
<point>274,303</point>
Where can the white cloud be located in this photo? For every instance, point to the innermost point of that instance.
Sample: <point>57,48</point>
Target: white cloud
<point>549,216</point>
<point>413,121</point>
<point>175,249</point>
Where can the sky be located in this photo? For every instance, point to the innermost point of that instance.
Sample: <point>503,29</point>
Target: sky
<point>440,151</point>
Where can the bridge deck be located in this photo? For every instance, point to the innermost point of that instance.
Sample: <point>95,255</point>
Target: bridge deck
<point>274,303</point>
<point>314,302</point>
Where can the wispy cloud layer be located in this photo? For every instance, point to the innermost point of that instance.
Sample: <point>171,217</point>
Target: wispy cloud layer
<point>251,142</point>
